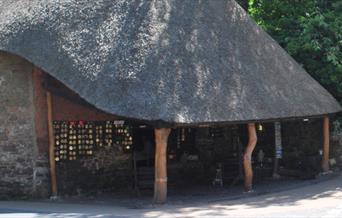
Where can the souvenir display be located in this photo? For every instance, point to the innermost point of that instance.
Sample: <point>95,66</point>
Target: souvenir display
<point>76,139</point>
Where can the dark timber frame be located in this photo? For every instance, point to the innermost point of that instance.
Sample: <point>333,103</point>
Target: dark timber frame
<point>51,147</point>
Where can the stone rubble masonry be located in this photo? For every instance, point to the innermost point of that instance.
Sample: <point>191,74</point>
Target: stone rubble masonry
<point>24,171</point>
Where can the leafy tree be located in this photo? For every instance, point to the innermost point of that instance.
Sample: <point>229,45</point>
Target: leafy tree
<point>310,31</point>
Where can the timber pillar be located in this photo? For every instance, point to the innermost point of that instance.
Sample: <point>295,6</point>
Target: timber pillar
<point>326,144</point>
<point>277,149</point>
<point>51,147</point>
<point>247,157</point>
<point>160,173</point>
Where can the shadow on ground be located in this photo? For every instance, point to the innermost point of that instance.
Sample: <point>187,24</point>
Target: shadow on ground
<point>216,204</point>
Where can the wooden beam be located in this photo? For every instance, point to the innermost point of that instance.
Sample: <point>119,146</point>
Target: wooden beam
<point>40,112</point>
<point>51,146</point>
<point>247,157</point>
<point>160,175</point>
<point>326,144</point>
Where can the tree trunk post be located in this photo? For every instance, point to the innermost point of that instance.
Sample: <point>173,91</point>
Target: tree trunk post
<point>51,147</point>
<point>247,157</point>
<point>160,175</point>
<point>326,144</point>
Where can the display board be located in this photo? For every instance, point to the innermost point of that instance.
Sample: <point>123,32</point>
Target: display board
<point>77,139</point>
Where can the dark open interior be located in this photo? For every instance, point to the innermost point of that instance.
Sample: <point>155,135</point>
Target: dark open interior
<point>111,155</point>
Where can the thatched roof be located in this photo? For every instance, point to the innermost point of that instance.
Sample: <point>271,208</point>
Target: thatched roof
<point>183,62</point>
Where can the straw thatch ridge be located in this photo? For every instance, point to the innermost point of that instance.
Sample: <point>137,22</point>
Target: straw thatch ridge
<point>182,62</point>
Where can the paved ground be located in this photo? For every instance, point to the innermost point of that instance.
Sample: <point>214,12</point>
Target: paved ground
<point>322,199</point>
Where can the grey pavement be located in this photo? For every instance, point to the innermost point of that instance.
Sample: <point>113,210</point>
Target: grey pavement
<point>316,198</point>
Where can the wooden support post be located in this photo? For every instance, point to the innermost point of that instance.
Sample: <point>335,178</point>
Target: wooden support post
<point>247,157</point>
<point>40,105</point>
<point>51,147</point>
<point>160,175</point>
<point>326,144</point>
<point>277,149</point>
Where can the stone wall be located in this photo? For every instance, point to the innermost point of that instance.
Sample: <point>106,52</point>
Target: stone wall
<point>302,142</point>
<point>336,143</point>
<point>24,172</point>
<point>108,171</point>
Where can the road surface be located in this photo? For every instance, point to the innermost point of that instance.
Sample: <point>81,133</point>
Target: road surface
<point>323,199</point>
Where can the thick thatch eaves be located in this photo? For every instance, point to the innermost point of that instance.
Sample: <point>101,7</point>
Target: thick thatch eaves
<point>183,62</point>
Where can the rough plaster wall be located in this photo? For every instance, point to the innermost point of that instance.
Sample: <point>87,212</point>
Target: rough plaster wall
<point>23,171</point>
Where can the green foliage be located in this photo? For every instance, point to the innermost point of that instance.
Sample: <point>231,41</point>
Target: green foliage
<point>311,31</point>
